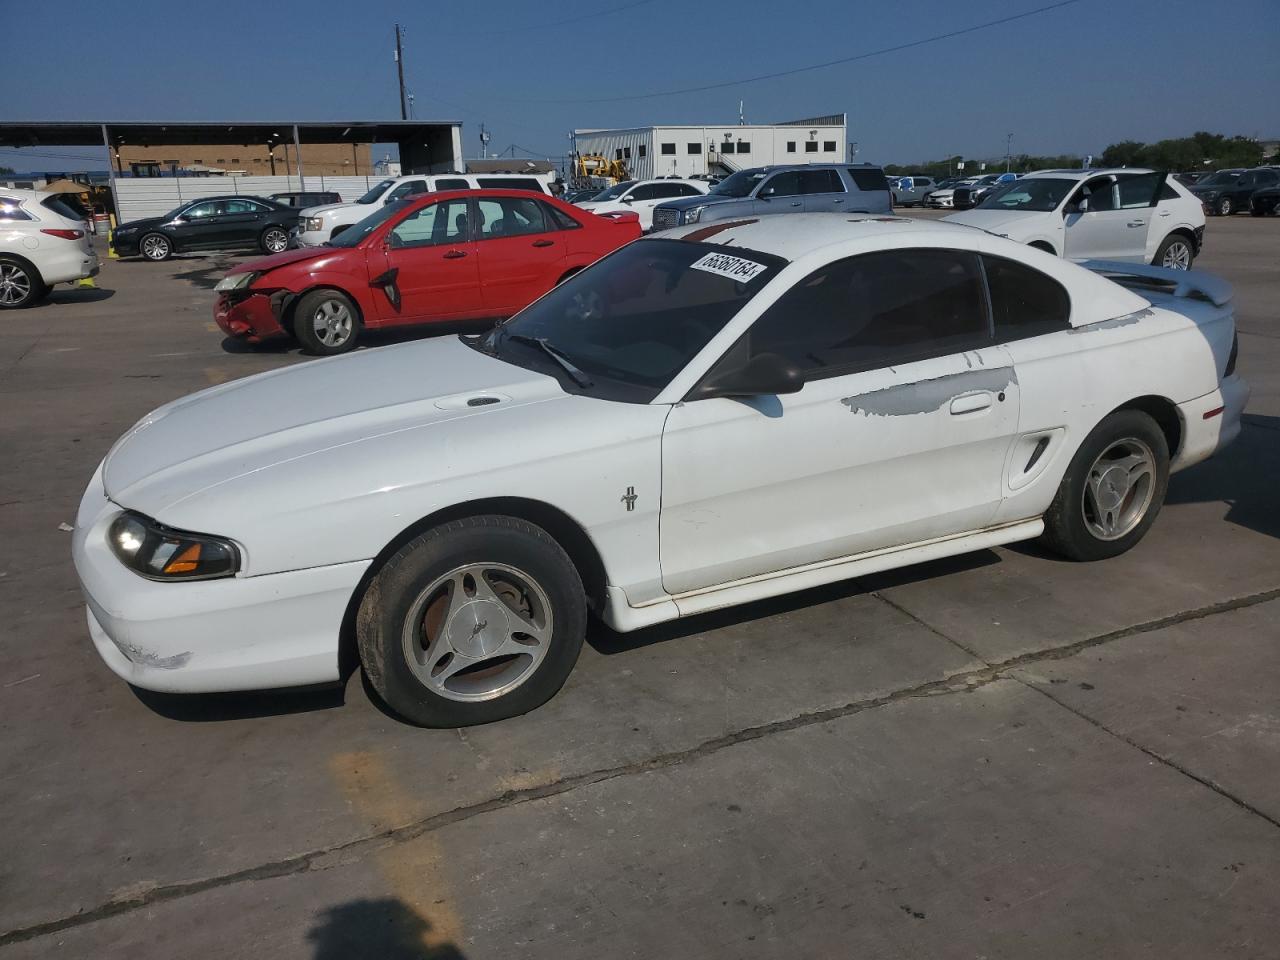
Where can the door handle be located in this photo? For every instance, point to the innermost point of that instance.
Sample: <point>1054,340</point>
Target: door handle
<point>970,403</point>
<point>543,243</point>
<point>1164,213</point>
<point>797,203</point>
<point>455,254</point>
<point>838,200</point>
<point>1137,223</point>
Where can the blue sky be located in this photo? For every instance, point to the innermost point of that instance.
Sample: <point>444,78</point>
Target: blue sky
<point>1068,80</point>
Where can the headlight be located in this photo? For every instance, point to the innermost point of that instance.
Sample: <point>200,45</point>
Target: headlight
<point>694,214</point>
<point>1210,194</point>
<point>314,223</point>
<point>236,281</point>
<point>121,231</point>
<point>158,553</point>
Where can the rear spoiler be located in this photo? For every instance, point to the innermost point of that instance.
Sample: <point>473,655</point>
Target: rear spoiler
<point>1185,283</point>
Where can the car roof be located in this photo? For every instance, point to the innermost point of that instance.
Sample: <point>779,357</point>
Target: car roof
<point>1084,174</point>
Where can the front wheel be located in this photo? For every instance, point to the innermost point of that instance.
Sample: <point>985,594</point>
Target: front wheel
<point>326,323</point>
<point>1112,490</point>
<point>1174,253</point>
<point>156,247</point>
<point>474,621</point>
<point>1225,207</point>
<point>273,240</point>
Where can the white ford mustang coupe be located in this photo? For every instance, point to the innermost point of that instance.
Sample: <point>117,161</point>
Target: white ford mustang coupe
<point>704,418</point>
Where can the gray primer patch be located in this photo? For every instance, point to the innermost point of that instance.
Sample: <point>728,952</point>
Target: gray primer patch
<point>1124,321</point>
<point>926,396</point>
<point>148,659</point>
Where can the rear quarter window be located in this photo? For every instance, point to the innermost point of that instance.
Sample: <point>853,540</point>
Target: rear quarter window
<point>11,211</point>
<point>510,183</point>
<point>1025,302</point>
<point>869,179</point>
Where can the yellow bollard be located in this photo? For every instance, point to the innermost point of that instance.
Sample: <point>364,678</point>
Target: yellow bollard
<point>111,239</point>
<point>86,283</point>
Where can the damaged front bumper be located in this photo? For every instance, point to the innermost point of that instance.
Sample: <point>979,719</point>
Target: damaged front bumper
<point>253,315</point>
<point>238,633</point>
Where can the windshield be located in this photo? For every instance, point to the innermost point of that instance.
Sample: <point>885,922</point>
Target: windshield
<point>1220,179</point>
<point>635,319</point>
<point>351,236</point>
<point>614,192</point>
<point>373,195</point>
<point>1041,195</point>
<point>739,185</point>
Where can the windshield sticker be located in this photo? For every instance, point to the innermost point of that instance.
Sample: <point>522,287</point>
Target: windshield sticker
<point>735,268</point>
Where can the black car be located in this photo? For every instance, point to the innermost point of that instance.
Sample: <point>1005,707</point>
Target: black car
<point>1265,201</point>
<point>1227,191</point>
<point>308,198</point>
<point>210,223</point>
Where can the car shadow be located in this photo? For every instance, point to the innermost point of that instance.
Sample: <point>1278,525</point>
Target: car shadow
<point>206,277</point>
<point>249,705</point>
<point>72,295</point>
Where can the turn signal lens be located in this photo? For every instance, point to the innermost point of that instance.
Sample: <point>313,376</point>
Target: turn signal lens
<point>157,552</point>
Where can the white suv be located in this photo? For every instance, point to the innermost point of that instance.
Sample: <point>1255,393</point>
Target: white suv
<point>1136,216</point>
<point>641,196</point>
<point>318,225</point>
<point>42,242</point>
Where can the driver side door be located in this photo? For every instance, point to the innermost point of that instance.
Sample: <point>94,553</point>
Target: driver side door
<point>899,434</point>
<point>426,268</point>
<point>781,193</point>
<point>1104,230</point>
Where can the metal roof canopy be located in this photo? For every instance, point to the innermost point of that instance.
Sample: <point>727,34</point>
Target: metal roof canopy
<point>160,134</point>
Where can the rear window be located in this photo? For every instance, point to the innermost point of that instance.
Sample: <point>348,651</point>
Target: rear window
<point>452,183</point>
<point>509,183</point>
<point>62,208</point>
<point>868,179</point>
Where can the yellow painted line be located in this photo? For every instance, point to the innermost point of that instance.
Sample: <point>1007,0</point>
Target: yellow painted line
<point>216,376</point>
<point>211,327</point>
<point>415,869</point>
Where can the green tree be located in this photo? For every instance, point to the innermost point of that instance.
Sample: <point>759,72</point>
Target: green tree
<point>5,171</point>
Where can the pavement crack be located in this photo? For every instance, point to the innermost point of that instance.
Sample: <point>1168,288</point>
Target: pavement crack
<point>960,682</point>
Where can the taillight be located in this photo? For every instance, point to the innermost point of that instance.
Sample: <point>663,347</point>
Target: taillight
<point>1231,358</point>
<point>65,234</point>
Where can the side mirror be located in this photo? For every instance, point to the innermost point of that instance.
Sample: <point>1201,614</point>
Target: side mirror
<point>628,199</point>
<point>765,374</point>
<point>1083,205</point>
<point>767,192</point>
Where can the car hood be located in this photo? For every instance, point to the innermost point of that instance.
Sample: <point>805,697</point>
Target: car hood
<point>142,224</point>
<point>684,203</point>
<point>265,264</point>
<point>997,221</point>
<point>329,207</point>
<point>249,426</point>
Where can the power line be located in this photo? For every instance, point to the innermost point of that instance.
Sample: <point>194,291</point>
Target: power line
<point>816,66</point>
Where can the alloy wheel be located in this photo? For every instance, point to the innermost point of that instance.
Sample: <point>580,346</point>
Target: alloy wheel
<point>332,323</point>
<point>1177,256</point>
<point>275,241</point>
<point>478,631</point>
<point>15,285</point>
<point>1119,489</point>
<point>155,248</point>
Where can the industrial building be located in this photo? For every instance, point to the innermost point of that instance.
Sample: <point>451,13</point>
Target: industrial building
<point>685,151</point>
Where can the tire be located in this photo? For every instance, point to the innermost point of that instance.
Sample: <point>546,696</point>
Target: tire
<point>481,586</point>
<point>326,323</point>
<point>1093,496</point>
<point>1174,252</point>
<point>1225,207</point>
<point>20,284</point>
<point>274,240</point>
<point>155,247</point>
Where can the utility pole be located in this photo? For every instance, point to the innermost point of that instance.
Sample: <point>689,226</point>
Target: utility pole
<point>1008,149</point>
<point>484,142</point>
<point>404,110</point>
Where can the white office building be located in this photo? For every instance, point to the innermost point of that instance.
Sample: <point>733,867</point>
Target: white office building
<point>685,151</point>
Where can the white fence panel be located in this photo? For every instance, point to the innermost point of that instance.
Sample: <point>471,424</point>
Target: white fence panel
<point>139,197</point>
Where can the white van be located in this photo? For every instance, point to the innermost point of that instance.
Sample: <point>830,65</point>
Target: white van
<point>319,224</point>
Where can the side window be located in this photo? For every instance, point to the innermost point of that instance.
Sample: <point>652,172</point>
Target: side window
<point>668,149</point>
<point>694,148</point>
<point>783,185</point>
<point>1168,193</point>
<point>828,146</point>
<point>875,310</point>
<point>558,218</point>
<point>646,191</point>
<point>811,146</point>
<point>509,217</point>
<point>1247,180</point>
<point>726,147</point>
<point>435,223</point>
<point>509,183</point>
<point>1025,302</point>
<point>868,179</point>
<point>1268,178</point>
<point>686,190</point>
<point>821,181</point>
<point>11,211</point>
<point>452,183</point>
<point>644,149</point>
<point>408,189</point>
<point>1101,193</point>
<point>202,210</point>
<point>243,206</point>
<point>744,146</point>
<point>1139,191</point>
<point>791,146</point>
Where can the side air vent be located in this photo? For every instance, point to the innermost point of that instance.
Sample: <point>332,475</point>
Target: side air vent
<point>1041,445</point>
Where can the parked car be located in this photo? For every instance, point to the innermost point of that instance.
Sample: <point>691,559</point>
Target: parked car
<point>318,225</point>
<point>1189,177</point>
<point>303,199</point>
<point>42,242</point>
<point>1131,215</point>
<point>209,223</point>
<point>815,187</point>
<point>970,195</point>
<point>1265,201</point>
<point>705,418</point>
<point>1229,191</point>
<point>642,196</point>
<point>944,196</point>
<point>458,255</point>
<point>911,191</point>
<point>577,196</point>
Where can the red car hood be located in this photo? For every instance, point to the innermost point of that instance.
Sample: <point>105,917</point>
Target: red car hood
<point>280,260</point>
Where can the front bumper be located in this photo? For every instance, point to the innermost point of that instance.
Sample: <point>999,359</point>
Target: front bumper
<point>239,633</point>
<point>252,318</point>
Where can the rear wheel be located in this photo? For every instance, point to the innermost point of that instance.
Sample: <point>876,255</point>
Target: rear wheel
<point>156,247</point>
<point>326,322</point>
<point>1174,253</point>
<point>273,240</point>
<point>20,285</point>
<point>476,620</point>
<point>1112,491</point>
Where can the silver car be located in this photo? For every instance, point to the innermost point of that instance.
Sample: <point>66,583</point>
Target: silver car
<point>911,191</point>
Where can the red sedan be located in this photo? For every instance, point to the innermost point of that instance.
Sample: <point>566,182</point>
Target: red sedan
<point>459,255</point>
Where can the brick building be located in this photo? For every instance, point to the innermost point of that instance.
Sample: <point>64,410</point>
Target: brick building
<point>328,159</point>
